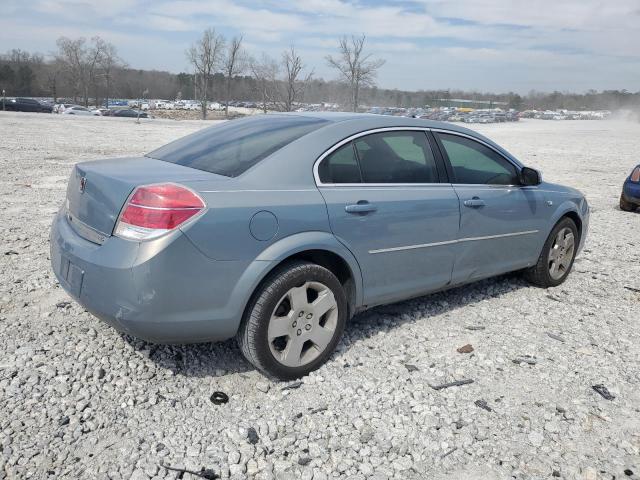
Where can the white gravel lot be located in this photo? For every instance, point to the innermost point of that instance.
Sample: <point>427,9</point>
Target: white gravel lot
<point>78,400</point>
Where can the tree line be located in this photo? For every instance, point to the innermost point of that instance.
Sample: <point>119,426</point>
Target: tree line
<point>281,83</point>
<point>91,71</point>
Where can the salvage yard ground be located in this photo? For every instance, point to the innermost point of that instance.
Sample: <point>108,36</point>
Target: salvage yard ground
<point>78,400</point>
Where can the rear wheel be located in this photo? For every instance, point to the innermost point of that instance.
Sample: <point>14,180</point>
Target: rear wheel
<point>627,206</point>
<point>294,321</point>
<point>558,254</point>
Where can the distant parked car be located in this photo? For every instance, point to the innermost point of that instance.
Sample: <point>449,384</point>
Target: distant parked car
<point>278,228</point>
<point>60,107</point>
<point>26,105</point>
<point>78,110</point>
<point>128,112</point>
<point>630,197</point>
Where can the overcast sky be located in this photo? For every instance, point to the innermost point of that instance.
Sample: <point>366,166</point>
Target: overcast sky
<point>488,45</point>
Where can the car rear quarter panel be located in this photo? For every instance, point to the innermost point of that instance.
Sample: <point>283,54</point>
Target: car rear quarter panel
<point>226,231</point>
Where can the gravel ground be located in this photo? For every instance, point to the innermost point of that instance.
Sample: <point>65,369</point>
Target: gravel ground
<point>78,400</point>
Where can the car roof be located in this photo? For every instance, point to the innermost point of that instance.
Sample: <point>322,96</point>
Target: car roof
<point>380,121</point>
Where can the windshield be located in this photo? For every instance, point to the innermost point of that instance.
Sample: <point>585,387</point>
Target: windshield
<point>235,146</point>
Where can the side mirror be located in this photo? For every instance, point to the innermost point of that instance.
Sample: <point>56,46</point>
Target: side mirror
<point>530,177</point>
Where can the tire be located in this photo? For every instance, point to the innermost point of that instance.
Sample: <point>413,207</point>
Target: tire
<point>285,303</point>
<point>557,257</point>
<point>626,206</point>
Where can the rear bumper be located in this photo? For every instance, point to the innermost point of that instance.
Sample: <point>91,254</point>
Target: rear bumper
<point>162,291</point>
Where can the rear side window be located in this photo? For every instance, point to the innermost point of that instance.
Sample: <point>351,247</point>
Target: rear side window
<point>340,167</point>
<point>474,163</point>
<point>396,157</point>
<point>235,146</point>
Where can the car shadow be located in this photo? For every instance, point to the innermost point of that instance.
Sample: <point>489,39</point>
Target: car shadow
<point>388,317</point>
<point>194,360</point>
<point>224,358</point>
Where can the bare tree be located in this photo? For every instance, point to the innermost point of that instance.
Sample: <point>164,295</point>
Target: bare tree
<point>109,63</point>
<point>294,81</point>
<point>53,75</point>
<point>92,62</point>
<point>234,64</point>
<point>71,54</point>
<point>265,73</point>
<point>355,67</point>
<point>205,55</point>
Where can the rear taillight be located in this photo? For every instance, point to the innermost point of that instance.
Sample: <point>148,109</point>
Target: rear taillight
<point>153,210</point>
<point>635,175</point>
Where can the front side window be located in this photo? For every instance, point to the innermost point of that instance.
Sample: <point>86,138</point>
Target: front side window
<point>237,145</point>
<point>396,157</point>
<point>474,163</point>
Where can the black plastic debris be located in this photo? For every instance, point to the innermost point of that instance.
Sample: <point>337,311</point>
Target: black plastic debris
<point>528,359</point>
<point>457,383</point>
<point>219,398</point>
<point>252,436</point>
<point>411,368</point>
<point>63,421</point>
<point>603,391</point>
<point>63,304</point>
<point>449,452</point>
<point>628,472</point>
<point>11,252</point>
<point>484,405</point>
<point>293,386</point>
<point>207,473</point>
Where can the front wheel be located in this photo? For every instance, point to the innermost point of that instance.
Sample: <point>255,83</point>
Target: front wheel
<point>558,254</point>
<point>294,321</point>
<point>626,206</point>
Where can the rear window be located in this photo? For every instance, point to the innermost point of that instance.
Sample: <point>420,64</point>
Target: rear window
<point>235,146</point>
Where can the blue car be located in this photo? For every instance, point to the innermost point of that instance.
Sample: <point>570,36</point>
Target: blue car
<point>630,197</point>
<point>278,228</point>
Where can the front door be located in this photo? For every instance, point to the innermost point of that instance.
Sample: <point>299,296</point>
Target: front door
<point>501,222</point>
<point>387,205</point>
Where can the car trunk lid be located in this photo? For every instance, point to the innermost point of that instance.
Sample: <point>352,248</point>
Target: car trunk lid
<point>98,190</point>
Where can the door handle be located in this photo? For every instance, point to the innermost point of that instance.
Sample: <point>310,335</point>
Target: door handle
<point>475,202</point>
<point>361,207</point>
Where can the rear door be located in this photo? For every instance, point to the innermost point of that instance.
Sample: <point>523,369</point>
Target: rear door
<point>388,205</point>
<point>501,222</point>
